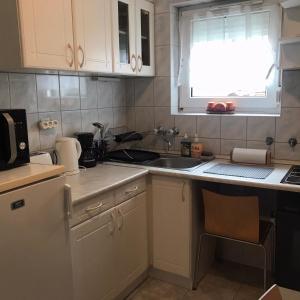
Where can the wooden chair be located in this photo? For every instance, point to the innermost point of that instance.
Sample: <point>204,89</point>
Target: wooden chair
<point>235,218</point>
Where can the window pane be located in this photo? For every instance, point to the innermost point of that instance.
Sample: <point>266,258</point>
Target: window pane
<point>230,56</point>
<point>145,36</point>
<point>123,12</point>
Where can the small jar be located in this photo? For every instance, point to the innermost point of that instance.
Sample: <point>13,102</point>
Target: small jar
<point>186,146</point>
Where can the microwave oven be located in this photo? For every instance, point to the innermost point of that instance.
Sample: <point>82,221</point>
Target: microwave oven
<point>14,148</point>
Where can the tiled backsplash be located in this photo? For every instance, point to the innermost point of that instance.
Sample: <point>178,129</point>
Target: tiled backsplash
<point>76,102</point>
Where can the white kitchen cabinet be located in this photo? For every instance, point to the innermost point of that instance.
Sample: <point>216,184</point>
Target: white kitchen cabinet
<point>172,225</point>
<point>133,37</point>
<point>46,34</point>
<point>145,38</point>
<point>132,240</point>
<point>92,27</point>
<point>110,250</point>
<point>93,253</point>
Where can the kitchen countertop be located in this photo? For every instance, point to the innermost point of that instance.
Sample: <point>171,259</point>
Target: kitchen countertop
<point>273,181</point>
<point>109,175</point>
<point>28,174</point>
<point>101,178</point>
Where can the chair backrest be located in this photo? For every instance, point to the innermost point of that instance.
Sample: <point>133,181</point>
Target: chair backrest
<point>235,217</point>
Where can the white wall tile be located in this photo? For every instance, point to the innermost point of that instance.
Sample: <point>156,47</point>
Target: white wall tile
<point>4,91</point>
<point>49,136</point>
<point>163,61</point>
<point>288,125</point>
<point>258,128</point>
<point>130,115</point>
<point>162,91</point>
<point>88,93</point>
<point>162,29</point>
<point>119,93</point>
<point>48,93</point>
<point>120,117</point>
<point>106,116</point>
<point>209,126</point>
<point>33,132</point>
<point>144,92</point>
<point>88,117</point>
<point>291,89</point>
<point>284,151</point>
<point>186,125</point>
<point>69,91</point>
<point>71,122</point>
<point>105,94</point>
<point>163,117</point>
<point>144,119</point>
<point>211,145</point>
<point>233,128</point>
<point>23,92</point>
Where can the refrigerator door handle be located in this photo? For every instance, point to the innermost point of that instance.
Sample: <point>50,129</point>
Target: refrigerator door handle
<point>68,201</point>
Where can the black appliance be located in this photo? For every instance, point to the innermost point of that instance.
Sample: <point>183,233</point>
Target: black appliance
<point>88,157</point>
<point>287,263</point>
<point>292,176</point>
<point>14,148</point>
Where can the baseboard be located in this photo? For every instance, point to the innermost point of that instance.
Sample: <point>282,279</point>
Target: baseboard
<point>171,278</point>
<point>125,293</point>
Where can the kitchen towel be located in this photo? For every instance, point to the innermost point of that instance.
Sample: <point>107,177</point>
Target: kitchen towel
<point>250,156</point>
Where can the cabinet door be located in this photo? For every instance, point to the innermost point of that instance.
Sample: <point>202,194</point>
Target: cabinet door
<point>47,34</point>
<point>145,38</point>
<point>124,51</point>
<point>93,255</point>
<point>171,201</point>
<point>132,258</point>
<point>92,22</point>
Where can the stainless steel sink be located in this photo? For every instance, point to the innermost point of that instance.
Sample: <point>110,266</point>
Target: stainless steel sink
<point>178,163</point>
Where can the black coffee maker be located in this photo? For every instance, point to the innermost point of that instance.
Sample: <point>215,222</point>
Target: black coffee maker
<point>88,155</point>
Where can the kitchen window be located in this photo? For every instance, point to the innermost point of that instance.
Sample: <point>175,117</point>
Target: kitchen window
<point>230,54</point>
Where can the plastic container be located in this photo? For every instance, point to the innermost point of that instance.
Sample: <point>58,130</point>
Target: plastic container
<point>196,147</point>
<point>186,146</point>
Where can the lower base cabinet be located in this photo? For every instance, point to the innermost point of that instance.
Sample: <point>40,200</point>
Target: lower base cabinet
<point>172,225</point>
<point>110,250</point>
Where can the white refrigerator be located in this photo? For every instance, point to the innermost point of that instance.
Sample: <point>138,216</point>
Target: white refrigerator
<point>35,259</point>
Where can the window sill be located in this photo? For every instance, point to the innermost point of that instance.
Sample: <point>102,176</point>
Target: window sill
<point>237,114</point>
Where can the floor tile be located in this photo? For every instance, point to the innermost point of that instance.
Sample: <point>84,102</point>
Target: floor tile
<point>153,289</point>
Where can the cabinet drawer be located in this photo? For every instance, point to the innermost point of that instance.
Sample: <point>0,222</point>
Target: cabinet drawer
<point>130,189</point>
<point>92,207</point>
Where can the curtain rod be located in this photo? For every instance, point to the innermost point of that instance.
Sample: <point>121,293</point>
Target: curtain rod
<point>219,4</point>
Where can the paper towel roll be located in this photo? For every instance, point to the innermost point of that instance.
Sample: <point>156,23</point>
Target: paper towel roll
<point>250,156</point>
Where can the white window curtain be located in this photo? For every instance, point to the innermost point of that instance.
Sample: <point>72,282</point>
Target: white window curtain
<point>229,52</point>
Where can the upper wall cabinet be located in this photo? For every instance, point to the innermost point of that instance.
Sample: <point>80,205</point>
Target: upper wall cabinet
<point>133,37</point>
<point>48,34</point>
<point>92,38</point>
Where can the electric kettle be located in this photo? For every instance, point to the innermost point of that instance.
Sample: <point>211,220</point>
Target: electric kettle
<point>68,151</point>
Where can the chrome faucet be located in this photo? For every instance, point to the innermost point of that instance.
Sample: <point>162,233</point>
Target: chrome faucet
<point>167,135</point>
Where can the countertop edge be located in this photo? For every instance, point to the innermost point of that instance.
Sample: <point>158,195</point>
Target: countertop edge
<point>19,182</point>
<point>78,200</point>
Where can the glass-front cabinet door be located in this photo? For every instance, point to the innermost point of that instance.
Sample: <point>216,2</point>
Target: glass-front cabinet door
<point>124,50</point>
<point>145,38</point>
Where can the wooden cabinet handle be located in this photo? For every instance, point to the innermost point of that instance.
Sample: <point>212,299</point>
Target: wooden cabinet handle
<point>141,63</point>
<point>133,58</point>
<point>83,56</point>
<point>70,63</point>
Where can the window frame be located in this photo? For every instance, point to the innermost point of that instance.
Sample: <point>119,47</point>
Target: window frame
<point>271,104</point>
